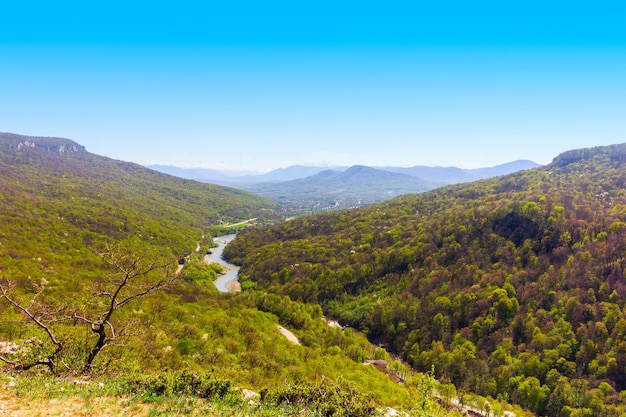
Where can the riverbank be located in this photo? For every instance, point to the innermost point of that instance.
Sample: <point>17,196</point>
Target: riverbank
<point>227,282</point>
<point>233,286</point>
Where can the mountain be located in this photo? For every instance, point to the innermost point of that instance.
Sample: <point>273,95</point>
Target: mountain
<point>306,189</point>
<point>447,175</point>
<point>197,174</point>
<point>453,175</point>
<point>356,186</point>
<point>93,198</point>
<point>77,230</point>
<point>228,178</point>
<point>504,169</point>
<point>512,287</point>
<point>285,174</point>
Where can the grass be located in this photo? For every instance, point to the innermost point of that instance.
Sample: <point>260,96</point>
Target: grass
<point>35,396</point>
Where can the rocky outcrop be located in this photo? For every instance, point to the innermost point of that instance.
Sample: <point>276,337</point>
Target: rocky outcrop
<point>19,143</point>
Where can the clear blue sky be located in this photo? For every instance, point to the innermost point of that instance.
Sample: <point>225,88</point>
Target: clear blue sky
<point>267,84</point>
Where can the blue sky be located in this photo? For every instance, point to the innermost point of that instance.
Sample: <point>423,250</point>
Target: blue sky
<point>266,84</point>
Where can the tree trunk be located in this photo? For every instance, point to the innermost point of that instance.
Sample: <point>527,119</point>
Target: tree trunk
<point>101,331</point>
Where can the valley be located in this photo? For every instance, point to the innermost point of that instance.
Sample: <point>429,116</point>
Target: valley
<point>78,229</point>
<point>305,190</point>
<point>312,208</point>
<point>504,295</point>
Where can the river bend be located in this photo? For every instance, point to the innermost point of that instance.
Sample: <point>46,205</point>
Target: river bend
<point>216,256</point>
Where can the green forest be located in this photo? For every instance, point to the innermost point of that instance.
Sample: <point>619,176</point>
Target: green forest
<point>512,288</point>
<point>96,303</point>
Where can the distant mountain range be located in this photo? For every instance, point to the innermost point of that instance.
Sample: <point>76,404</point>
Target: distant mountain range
<point>293,172</point>
<point>317,188</point>
<point>354,187</point>
<point>445,175</point>
<point>454,175</point>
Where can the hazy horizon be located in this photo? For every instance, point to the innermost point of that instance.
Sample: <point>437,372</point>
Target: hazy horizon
<point>236,172</point>
<point>258,86</point>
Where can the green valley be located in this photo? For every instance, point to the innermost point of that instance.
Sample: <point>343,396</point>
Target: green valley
<point>95,318</point>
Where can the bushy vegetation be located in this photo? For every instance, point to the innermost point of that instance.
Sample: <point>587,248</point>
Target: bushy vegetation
<point>186,336</point>
<point>187,393</point>
<point>202,385</point>
<point>61,202</point>
<point>512,288</point>
<point>326,399</point>
<point>196,270</point>
<point>64,210</point>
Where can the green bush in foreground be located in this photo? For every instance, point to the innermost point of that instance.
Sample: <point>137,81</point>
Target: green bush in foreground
<point>325,399</point>
<point>196,384</point>
<point>328,399</point>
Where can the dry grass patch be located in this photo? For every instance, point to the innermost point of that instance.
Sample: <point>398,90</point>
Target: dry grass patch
<point>13,406</point>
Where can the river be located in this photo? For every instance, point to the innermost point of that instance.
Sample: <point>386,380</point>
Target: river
<point>216,256</point>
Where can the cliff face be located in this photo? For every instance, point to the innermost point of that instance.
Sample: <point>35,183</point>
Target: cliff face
<point>17,143</point>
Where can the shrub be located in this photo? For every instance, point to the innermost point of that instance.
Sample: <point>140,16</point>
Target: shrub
<point>201,385</point>
<point>327,398</point>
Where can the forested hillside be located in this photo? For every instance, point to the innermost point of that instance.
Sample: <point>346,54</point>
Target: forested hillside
<point>58,198</point>
<point>511,287</point>
<point>91,292</point>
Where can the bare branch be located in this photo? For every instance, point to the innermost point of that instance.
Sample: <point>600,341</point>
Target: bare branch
<point>84,319</point>
<point>4,294</point>
<point>7,361</point>
<point>158,286</point>
<point>38,320</point>
<point>103,294</point>
<point>33,301</point>
<point>136,282</point>
<point>132,278</point>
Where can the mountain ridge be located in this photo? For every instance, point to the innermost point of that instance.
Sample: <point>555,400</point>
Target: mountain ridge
<point>353,187</point>
<point>454,175</point>
<point>428,173</point>
<point>312,189</point>
<point>61,173</point>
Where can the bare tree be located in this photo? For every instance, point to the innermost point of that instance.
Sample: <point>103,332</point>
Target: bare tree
<point>131,278</point>
<point>42,316</point>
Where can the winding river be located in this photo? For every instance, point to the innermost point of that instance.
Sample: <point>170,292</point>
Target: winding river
<point>216,256</point>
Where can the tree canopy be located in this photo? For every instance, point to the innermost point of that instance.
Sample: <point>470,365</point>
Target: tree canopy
<point>511,287</point>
